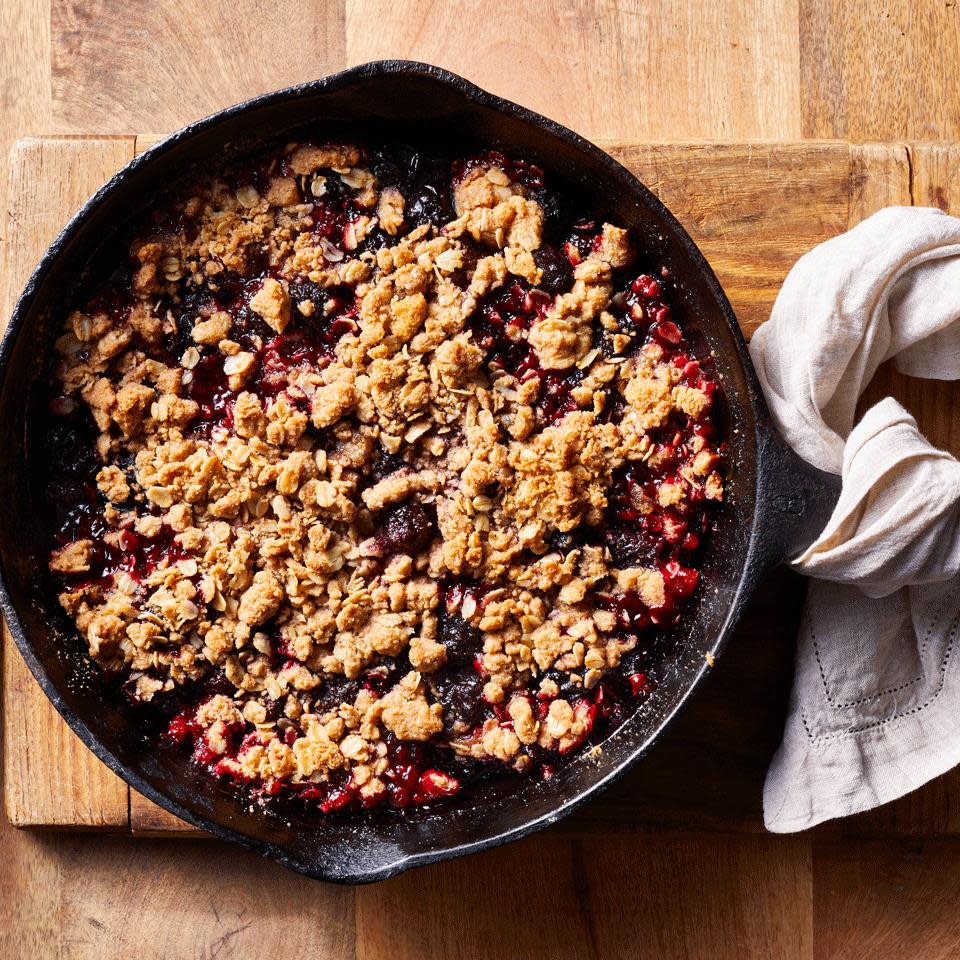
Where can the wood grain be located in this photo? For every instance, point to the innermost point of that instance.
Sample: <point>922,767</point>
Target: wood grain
<point>651,895</point>
<point>481,906</point>
<point>934,113</point>
<point>698,897</point>
<point>114,71</point>
<point>816,68</point>
<point>753,209</point>
<point>854,69</point>
<point>205,900</point>
<point>147,819</point>
<point>608,69</point>
<point>84,897</point>
<point>24,87</point>
<point>891,899</point>
<point>879,71</point>
<point>50,776</point>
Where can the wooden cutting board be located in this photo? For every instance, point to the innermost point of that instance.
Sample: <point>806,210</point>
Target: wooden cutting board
<point>753,209</point>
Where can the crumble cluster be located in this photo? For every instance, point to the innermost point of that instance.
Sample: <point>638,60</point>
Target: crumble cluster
<point>310,464</point>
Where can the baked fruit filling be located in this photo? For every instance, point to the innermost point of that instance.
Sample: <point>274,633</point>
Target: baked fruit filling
<point>376,475</point>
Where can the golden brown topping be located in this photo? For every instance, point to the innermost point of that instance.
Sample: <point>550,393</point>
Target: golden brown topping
<point>408,714</point>
<point>272,302</point>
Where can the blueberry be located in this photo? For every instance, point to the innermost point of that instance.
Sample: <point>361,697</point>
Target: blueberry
<point>408,528</point>
<point>557,272</point>
<point>301,290</point>
<point>428,205</point>
<point>461,696</point>
<point>552,207</point>
<point>375,240</point>
<point>384,464</point>
<point>628,547</point>
<point>334,691</point>
<point>71,450</point>
<point>429,196</point>
<point>564,542</point>
<point>461,640</point>
<point>385,169</point>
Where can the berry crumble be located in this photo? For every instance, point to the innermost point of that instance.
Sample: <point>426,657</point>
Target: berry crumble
<point>376,474</point>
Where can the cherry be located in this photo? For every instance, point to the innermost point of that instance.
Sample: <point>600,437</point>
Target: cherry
<point>679,580</point>
<point>646,286</point>
<point>665,331</point>
<point>182,727</point>
<point>433,784</point>
<point>340,797</point>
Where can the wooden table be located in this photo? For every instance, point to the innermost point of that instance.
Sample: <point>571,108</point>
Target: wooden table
<point>674,863</point>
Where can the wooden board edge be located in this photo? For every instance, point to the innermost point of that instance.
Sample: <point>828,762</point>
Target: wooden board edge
<point>20,251</point>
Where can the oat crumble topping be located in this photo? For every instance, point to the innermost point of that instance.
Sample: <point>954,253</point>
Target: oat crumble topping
<point>374,471</point>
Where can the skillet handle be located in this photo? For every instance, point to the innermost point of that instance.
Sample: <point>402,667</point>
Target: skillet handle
<point>795,500</point>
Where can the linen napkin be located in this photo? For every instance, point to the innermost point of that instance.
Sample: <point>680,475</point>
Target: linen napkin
<point>875,707</point>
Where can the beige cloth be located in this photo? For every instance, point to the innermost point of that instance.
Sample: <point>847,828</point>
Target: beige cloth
<point>875,707</point>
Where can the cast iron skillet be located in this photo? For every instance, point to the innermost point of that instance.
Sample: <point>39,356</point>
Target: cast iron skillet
<point>776,502</point>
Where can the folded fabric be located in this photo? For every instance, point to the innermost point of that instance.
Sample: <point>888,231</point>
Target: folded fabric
<point>875,706</point>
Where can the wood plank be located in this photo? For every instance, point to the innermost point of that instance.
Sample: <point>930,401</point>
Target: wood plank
<point>50,777</point>
<point>755,208</point>
<point>481,906</point>
<point>932,102</point>
<point>87,897</point>
<point>880,176</point>
<point>854,71</point>
<point>652,895</point>
<point>658,70</point>
<point>24,87</point>
<point>879,71</point>
<point>896,900</point>
<point>147,819</point>
<point>207,899</point>
<point>698,897</point>
<point>176,61</point>
<point>30,884</point>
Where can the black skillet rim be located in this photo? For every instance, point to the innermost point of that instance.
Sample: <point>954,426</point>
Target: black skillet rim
<point>753,398</point>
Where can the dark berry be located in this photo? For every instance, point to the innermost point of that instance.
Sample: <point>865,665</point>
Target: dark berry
<point>334,691</point>
<point>274,708</point>
<point>384,464</point>
<point>408,528</point>
<point>428,205</point>
<point>628,547</point>
<point>461,696</point>
<point>557,272</point>
<point>386,170</point>
<point>306,290</point>
<point>552,206</point>
<point>461,640</point>
<point>71,450</point>
<point>564,542</point>
<point>217,682</point>
<point>375,240</point>
<point>429,195</point>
